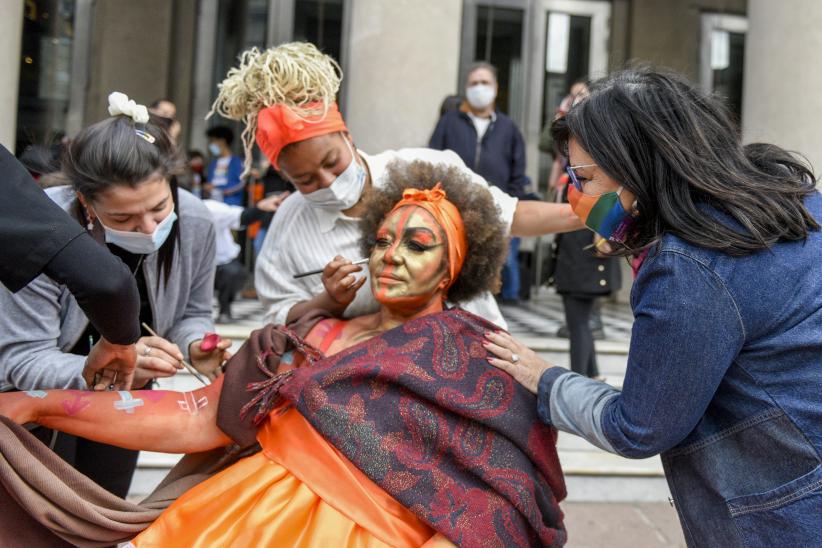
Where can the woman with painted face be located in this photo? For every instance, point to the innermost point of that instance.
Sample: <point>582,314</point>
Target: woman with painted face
<point>121,189</point>
<point>723,376</point>
<point>385,430</point>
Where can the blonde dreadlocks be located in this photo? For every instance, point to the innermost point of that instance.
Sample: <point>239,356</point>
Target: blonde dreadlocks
<point>294,74</point>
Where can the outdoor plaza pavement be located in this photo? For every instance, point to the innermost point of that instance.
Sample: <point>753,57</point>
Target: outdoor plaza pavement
<point>612,501</point>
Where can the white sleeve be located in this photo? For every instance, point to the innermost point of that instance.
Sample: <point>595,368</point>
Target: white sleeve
<point>275,287</point>
<point>506,204</point>
<point>224,215</point>
<point>30,328</point>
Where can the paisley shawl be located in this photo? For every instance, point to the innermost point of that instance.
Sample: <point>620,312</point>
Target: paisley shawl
<point>420,411</point>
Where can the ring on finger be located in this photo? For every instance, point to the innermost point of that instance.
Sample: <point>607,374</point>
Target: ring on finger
<point>113,380</point>
<point>147,350</point>
<point>514,357</point>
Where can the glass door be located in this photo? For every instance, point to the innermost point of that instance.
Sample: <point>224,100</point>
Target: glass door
<point>722,57</point>
<point>570,43</point>
<point>573,35</point>
<point>45,74</point>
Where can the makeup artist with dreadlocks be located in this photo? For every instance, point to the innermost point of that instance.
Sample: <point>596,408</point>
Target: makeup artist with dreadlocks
<point>286,97</point>
<point>121,189</point>
<point>724,375</point>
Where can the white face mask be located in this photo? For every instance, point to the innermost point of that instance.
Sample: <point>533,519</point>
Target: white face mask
<point>137,242</point>
<point>480,95</point>
<point>346,189</point>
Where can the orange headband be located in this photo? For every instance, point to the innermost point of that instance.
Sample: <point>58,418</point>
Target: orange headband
<point>435,202</point>
<point>278,126</point>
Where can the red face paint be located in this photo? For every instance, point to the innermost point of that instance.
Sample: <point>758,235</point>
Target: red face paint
<point>75,405</point>
<point>408,264</point>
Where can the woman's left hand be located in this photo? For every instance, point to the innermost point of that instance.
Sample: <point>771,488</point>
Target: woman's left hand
<point>516,359</point>
<point>602,247</point>
<point>272,203</point>
<point>208,363</point>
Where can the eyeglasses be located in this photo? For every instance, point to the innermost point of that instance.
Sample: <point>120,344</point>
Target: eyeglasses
<point>573,176</point>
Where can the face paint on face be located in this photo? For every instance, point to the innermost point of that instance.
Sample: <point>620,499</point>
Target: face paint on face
<point>408,264</point>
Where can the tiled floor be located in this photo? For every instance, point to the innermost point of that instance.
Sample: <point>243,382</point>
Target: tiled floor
<point>540,317</point>
<point>543,315</point>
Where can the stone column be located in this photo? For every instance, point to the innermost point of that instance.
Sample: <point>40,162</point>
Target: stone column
<point>403,59</point>
<point>782,97</point>
<point>11,35</point>
<point>131,51</point>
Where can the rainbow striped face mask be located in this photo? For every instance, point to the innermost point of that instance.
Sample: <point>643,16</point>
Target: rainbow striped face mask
<point>603,214</point>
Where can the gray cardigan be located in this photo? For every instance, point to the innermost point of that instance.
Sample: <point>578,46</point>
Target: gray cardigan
<point>42,322</point>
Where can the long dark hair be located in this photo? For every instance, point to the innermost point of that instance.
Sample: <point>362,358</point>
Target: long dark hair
<point>678,150</point>
<point>111,153</point>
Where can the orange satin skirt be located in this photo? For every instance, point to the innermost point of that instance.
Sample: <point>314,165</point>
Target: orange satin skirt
<point>298,491</point>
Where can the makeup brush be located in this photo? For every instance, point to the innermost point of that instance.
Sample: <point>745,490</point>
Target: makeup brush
<point>320,271</point>
<point>187,365</point>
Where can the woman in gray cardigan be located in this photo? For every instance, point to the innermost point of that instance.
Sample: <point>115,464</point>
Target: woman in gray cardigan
<point>123,191</point>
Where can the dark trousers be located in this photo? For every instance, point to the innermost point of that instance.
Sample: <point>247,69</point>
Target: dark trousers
<point>109,467</point>
<point>577,317</point>
<point>228,281</point>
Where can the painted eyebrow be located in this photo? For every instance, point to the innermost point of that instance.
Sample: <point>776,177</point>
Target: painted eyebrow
<point>414,230</point>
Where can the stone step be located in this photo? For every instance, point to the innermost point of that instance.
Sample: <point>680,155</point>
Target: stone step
<point>581,461</point>
<point>580,487</point>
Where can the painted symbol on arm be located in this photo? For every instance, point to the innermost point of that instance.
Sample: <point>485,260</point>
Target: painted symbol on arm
<point>39,394</point>
<point>154,395</point>
<point>74,406</point>
<point>191,403</point>
<point>127,402</point>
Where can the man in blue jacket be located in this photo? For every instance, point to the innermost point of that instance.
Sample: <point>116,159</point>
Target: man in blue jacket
<point>489,143</point>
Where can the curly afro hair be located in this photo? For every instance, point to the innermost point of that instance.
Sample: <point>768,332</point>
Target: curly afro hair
<point>484,230</point>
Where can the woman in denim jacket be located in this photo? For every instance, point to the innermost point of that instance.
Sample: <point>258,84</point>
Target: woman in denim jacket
<point>724,375</point>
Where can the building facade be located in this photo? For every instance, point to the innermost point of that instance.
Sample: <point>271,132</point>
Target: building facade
<point>61,58</point>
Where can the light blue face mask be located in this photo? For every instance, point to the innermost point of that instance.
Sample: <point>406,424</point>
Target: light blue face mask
<point>137,242</point>
<point>214,149</point>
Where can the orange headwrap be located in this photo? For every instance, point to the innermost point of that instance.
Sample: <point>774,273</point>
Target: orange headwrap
<point>279,126</point>
<point>435,202</point>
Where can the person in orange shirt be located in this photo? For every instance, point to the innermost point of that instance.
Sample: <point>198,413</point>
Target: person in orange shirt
<point>352,458</point>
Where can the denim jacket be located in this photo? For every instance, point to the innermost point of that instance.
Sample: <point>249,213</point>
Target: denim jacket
<point>724,380</point>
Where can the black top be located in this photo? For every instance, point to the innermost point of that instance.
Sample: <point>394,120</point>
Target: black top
<point>37,236</point>
<point>134,262</point>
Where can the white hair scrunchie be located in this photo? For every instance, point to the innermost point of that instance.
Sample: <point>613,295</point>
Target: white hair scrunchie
<point>119,103</point>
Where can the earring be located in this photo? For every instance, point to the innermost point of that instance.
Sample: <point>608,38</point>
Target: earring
<point>90,223</point>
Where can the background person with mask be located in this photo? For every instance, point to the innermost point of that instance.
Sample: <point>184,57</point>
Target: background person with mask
<point>231,274</point>
<point>225,181</point>
<point>490,144</point>
<point>37,237</point>
<point>122,191</point>
<point>166,112</point>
